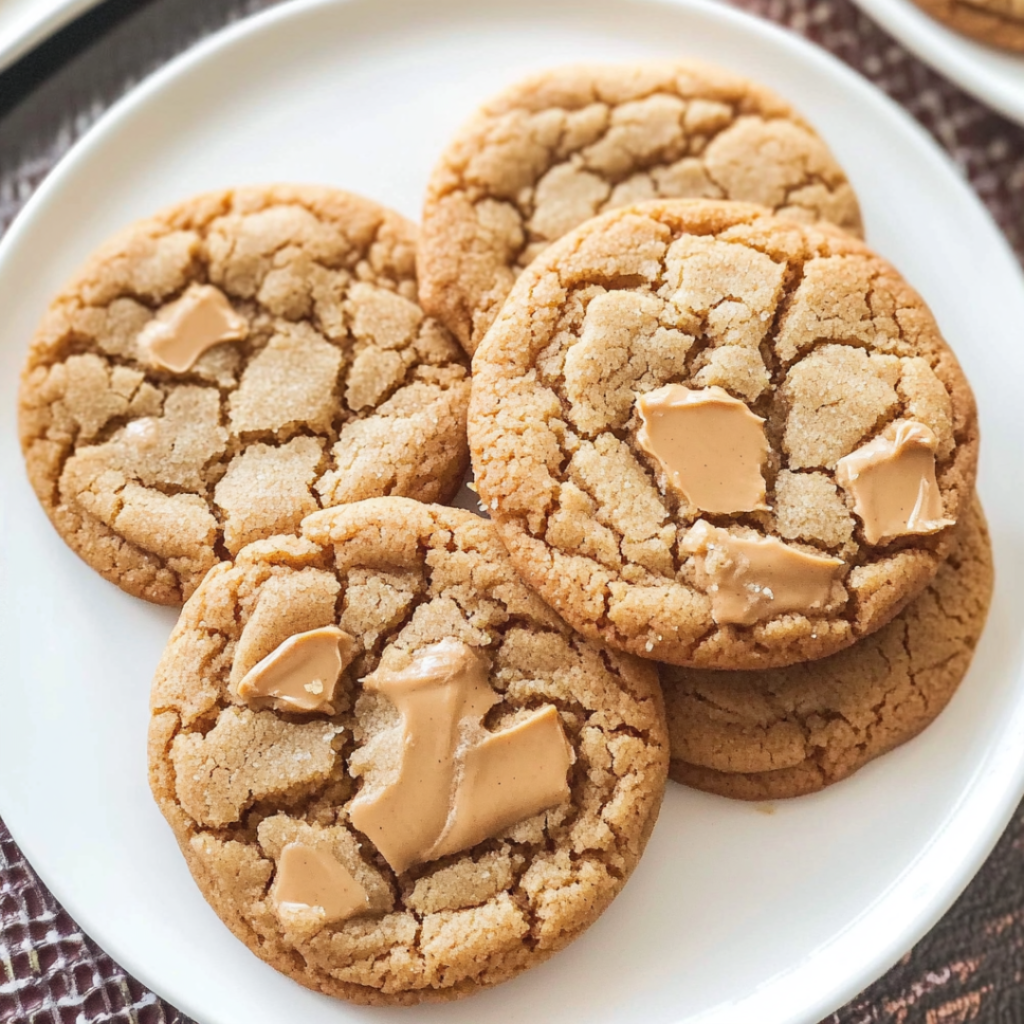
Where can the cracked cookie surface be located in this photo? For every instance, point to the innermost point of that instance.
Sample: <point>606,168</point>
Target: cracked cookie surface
<point>570,143</point>
<point>997,22</point>
<point>333,386</point>
<point>239,785</point>
<point>819,337</point>
<point>786,732</point>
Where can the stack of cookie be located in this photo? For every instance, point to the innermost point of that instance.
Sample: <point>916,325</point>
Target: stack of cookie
<point>732,442</point>
<point>728,462</point>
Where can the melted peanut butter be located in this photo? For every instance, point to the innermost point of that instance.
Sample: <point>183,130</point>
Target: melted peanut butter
<point>893,485</point>
<point>312,877</point>
<point>457,784</point>
<point>445,683</point>
<point>302,673</point>
<point>183,330</point>
<point>750,580</point>
<point>710,446</point>
<point>509,776</point>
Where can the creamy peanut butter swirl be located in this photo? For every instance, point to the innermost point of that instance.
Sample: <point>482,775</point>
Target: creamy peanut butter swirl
<point>709,445</point>
<point>751,579</point>
<point>183,330</point>
<point>893,486</point>
<point>457,783</point>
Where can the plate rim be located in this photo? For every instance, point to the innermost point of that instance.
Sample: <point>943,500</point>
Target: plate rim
<point>28,32</point>
<point>1001,803</point>
<point>939,47</point>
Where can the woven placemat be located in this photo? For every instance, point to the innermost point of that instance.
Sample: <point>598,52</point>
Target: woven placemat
<point>969,968</point>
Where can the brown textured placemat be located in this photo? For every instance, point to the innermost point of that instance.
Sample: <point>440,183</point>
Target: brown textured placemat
<point>969,968</point>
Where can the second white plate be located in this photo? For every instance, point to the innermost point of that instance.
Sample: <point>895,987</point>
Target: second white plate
<point>995,77</point>
<point>26,23</point>
<point>734,914</point>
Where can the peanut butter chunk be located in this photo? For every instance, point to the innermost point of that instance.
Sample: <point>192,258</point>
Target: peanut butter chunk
<point>507,777</point>
<point>893,486</point>
<point>302,673</point>
<point>457,784</point>
<point>311,877</point>
<point>183,330</point>
<point>709,445</point>
<point>753,579</point>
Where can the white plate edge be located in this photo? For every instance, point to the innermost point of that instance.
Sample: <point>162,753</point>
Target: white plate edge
<point>1002,809</point>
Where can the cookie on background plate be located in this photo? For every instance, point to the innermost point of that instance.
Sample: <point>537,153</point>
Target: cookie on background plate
<point>716,438</point>
<point>569,143</point>
<point>216,373</point>
<point>997,22</point>
<point>790,731</point>
<point>394,772</point>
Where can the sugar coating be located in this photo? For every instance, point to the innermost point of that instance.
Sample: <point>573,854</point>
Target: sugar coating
<point>343,389</point>
<point>568,144</point>
<point>817,334</point>
<point>789,731</point>
<point>997,22</point>
<point>237,784</point>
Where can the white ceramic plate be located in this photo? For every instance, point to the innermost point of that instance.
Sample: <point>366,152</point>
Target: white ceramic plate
<point>994,76</point>
<point>26,23</point>
<point>735,914</point>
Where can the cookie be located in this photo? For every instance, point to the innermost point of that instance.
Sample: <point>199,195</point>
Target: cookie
<point>394,772</point>
<point>996,22</point>
<point>790,731</point>
<point>719,439</point>
<point>567,144</point>
<point>218,372</point>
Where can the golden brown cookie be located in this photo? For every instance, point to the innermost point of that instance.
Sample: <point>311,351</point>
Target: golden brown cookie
<point>790,731</point>
<point>716,438</point>
<point>430,784</point>
<point>218,372</point>
<point>567,144</point>
<point>996,22</point>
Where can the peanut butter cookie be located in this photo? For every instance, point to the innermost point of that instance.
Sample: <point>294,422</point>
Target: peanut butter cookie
<point>567,144</point>
<point>215,374</point>
<point>996,22</point>
<point>394,772</point>
<point>789,731</point>
<point>720,439</point>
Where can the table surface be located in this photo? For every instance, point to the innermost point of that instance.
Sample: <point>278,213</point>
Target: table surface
<point>969,968</point>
